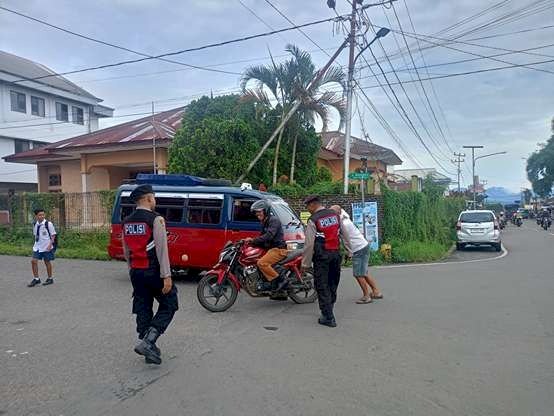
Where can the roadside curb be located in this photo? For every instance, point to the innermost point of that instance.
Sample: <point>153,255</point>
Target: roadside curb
<point>504,253</point>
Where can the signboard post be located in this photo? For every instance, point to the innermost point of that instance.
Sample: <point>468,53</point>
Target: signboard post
<point>361,176</point>
<point>364,216</point>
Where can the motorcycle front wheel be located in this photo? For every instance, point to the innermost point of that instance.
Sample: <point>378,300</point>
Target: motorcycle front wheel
<point>303,292</point>
<point>214,297</point>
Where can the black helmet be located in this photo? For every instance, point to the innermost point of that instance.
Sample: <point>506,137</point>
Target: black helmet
<point>261,205</point>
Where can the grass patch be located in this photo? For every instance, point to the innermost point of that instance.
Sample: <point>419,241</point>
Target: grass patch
<point>418,251</point>
<point>89,245</point>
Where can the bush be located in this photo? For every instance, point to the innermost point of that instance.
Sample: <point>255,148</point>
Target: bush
<point>417,216</point>
<point>288,191</point>
<point>89,245</point>
<point>417,251</point>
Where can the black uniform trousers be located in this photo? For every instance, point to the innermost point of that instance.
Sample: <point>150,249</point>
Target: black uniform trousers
<point>147,286</point>
<point>326,279</point>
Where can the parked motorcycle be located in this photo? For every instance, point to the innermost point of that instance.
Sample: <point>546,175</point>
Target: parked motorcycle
<point>236,269</point>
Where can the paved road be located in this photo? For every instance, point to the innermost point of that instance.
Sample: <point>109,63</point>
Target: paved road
<point>452,339</point>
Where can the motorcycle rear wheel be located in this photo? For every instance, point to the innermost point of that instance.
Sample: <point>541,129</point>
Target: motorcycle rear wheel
<point>306,293</point>
<point>210,294</point>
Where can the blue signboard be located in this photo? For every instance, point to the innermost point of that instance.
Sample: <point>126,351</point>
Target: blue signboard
<point>364,216</point>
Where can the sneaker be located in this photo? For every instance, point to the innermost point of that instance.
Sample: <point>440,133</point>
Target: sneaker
<point>48,281</point>
<point>34,282</point>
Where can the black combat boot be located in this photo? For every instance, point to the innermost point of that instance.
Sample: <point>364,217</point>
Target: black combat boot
<point>147,347</point>
<point>327,319</point>
<point>146,359</point>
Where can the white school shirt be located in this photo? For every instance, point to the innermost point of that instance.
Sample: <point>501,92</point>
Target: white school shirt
<point>43,238</point>
<point>352,238</point>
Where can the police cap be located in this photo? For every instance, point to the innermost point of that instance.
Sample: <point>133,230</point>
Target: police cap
<point>311,198</point>
<point>140,191</point>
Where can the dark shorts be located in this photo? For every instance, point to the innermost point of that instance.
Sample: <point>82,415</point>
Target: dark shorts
<point>360,262</point>
<point>45,255</point>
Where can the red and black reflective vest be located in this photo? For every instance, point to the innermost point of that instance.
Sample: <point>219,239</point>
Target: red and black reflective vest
<point>138,234</point>
<point>327,225</point>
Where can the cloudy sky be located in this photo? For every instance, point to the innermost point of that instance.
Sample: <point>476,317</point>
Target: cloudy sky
<point>504,110</point>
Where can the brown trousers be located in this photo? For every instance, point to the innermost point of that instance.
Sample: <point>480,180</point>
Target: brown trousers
<point>266,262</point>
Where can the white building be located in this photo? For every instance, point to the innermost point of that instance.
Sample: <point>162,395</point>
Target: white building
<point>35,109</point>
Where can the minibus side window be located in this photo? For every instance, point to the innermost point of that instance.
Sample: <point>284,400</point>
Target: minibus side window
<point>241,210</point>
<point>170,208</point>
<point>126,207</point>
<point>204,211</point>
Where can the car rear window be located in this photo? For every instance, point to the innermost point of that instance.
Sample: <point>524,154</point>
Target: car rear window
<point>475,217</point>
<point>285,214</point>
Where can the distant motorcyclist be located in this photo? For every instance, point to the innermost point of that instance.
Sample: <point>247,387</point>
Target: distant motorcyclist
<point>544,215</point>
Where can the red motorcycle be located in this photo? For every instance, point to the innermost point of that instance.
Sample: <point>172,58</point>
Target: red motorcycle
<point>218,289</point>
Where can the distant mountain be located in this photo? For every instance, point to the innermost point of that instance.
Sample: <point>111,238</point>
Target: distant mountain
<point>502,195</point>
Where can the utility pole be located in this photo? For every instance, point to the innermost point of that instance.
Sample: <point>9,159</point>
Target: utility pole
<point>458,161</point>
<point>473,172</point>
<point>349,91</point>
<point>154,170</point>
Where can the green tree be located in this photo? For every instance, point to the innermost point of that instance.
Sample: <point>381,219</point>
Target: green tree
<point>218,138</point>
<point>290,81</point>
<point>540,167</point>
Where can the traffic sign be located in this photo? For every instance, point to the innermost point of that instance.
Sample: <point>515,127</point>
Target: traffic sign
<point>359,175</point>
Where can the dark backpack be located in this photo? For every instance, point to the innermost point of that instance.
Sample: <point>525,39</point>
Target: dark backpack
<point>55,243</point>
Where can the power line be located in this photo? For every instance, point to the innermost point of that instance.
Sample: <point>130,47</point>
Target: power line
<point>411,124</point>
<point>403,115</point>
<point>421,83</point>
<point>441,111</point>
<point>112,45</point>
<point>292,23</point>
<point>476,54</point>
<point>499,68</point>
<point>389,130</point>
<point>406,115</point>
<point>463,21</point>
<point>461,61</point>
<point>259,18</point>
<point>179,52</point>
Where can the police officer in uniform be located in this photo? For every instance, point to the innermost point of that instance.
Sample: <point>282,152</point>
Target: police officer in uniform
<point>145,248</point>
<point>322,246</point>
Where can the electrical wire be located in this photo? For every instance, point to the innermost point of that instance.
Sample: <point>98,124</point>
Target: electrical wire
<point>550,45</point>
<point>179,52</point>
<point>123,48</point>
<point>441,112</point>
<point>410,102</point>
<point>479,71</point>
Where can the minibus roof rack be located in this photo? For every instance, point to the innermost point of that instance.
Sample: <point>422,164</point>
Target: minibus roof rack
<point>179,180</point>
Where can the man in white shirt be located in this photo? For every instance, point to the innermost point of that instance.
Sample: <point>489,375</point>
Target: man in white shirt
<point>43,249</point>
<point>358,249</point>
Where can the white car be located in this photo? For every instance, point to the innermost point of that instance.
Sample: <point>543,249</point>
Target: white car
<point>479,227</point>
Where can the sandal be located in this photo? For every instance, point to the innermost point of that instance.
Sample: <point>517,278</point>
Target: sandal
<point>377,296</point>
<point>364,299</point>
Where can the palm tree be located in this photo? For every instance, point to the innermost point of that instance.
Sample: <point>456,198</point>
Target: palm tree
<point>290,81</point>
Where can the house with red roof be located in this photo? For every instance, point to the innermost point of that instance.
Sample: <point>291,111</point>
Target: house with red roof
<point>103,159</point>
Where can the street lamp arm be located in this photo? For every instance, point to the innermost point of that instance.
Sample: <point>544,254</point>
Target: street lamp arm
<point>380,34</point>
<point>491,154</point>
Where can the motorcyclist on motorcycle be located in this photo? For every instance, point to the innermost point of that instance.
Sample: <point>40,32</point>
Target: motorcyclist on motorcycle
<point>545,214</point>
<point>272,238</point>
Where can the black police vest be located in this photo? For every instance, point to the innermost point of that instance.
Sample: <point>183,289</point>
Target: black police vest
<point>138,234</point>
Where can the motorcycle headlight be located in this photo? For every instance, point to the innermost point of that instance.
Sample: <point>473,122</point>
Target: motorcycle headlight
<point>292,246</point>
<point>225,255</point>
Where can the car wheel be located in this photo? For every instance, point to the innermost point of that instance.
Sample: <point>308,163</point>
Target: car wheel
<point>460,246</point>
<point>498,247</point>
